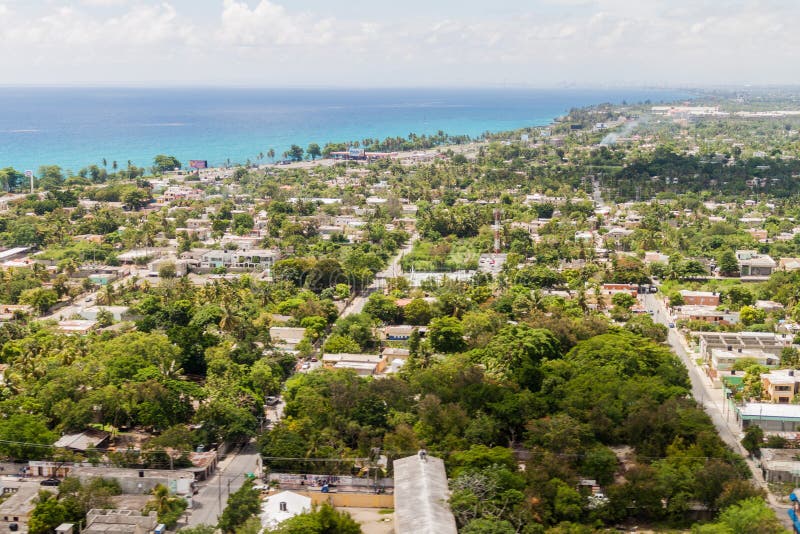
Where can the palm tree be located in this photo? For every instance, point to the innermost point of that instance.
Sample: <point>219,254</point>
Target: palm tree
<point>114,165</point>
<point>105,163</point>
<point>106,295</point>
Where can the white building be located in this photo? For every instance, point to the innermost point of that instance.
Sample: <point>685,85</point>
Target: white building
<point>255,259</point>
<point>282,506</point>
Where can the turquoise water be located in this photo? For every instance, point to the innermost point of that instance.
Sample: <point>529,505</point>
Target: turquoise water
<point>75,127</point>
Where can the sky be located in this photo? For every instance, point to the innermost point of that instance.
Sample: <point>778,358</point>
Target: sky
<point>408,43</point>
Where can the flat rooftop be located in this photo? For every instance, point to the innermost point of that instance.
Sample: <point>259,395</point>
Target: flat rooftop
<point>420,497</point>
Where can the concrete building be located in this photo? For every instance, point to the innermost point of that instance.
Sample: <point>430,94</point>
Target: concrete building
<point>724,360</point>
<point>420,497</point>
<point>362,364</point>
<point>781,385</point>
<point>733,341</point>
<point>770,417</point>
<point>286,337</point>
<point>119,522</point>
<point>780,465</point>
<point>708,314</point>
<point>16,510</point>
<point>281,506</point>
<point>251,260</point>
<point>755,265</point>
<point>83,441</point>
<point>140,481</point>
<point>700,298</point>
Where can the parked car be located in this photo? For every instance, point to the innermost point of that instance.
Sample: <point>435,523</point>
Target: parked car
<point>672,325</point>
<point>50,482</point>
<point>272,401</point>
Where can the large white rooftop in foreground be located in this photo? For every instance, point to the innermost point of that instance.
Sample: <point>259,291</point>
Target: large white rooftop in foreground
<point>420,497</point>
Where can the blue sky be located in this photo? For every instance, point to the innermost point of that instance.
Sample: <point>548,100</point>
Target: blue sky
<point>540,43</point>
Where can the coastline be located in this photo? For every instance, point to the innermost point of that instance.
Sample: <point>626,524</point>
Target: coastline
<point>224,126</point>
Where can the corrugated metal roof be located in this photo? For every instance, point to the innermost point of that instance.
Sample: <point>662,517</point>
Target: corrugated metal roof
<point>420,497</point>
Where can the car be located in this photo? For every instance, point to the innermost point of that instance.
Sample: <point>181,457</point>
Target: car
<point>672,325</point>
<point>271,401</point>
<point>306,365</point>
<point>314,360</point>
<point>50,482</point>
<point>88,299</point>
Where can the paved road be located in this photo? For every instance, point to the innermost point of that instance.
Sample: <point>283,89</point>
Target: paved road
<point>712,401</point>
<point>393,270</point>
<point>209,502</point>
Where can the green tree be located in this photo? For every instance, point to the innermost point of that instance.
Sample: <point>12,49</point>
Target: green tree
<point>163,163</point>
<point>314,151</point>
<point>242,223</point>
<point>417,312</point>
<point>135,199</point>
<point>753,439</point>
<point>242,504</point>
<point>39,298</point>
<point>167,270</point>
<point>168,508</point>
<point>322,520</point>
<point>338,343</point>
<point>382,308</point>
<point>728,264</point>
<point>446,334</point>
<point>750,315</point>
<point>516,352</point>
<point>751,516</point>
<point>295,153</point>
<point>623,300</point>
<point>48,514</point>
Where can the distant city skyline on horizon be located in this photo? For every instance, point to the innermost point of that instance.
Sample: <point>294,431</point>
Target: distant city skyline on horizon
<point>449,44</point>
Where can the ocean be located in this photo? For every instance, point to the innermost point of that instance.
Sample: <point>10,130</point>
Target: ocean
<point>76,127</point>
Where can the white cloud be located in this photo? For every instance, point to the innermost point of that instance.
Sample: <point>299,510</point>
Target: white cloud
<point>588,41</point>
<point>270,24</point>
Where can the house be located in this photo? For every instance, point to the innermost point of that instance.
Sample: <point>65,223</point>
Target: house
<point>655,257</point>
<point>752,264</point>
<point>285,337</point>
<point>769,306</point>
<point>789,264</point>
<point>724,360</point>
<point>119,522</point>
<point>781,385</point>
<point>421,495</point>
<point>281,506</point>
<point>708,314</point>
<point>140,481</point>
<point>17,509</point>
<point>733,341</point>
<point>362,364</point>
<point>780,465</point>
<point>76,326</point>
<point>253,260</point>
<point>9,311</point>
<point>612,289</point>
<point>770,417</point>
<point>399,332</point>
<point>13,253</point>
<point>391,354</point>
<point>87,440</point>
<point>616,234</point>
<point>700,298</point>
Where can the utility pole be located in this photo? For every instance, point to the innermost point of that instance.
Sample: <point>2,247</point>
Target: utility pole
<point>219,494</point>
